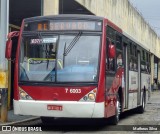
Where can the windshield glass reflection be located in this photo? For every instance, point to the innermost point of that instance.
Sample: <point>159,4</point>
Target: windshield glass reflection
<point>61,58</point>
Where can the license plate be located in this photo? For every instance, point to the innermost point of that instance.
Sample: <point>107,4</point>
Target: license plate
<point>54,107</point>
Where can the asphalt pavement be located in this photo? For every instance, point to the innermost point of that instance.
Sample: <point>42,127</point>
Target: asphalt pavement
<point>17,119</point>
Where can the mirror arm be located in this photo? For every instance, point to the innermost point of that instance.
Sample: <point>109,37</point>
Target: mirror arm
<point>13,34</point>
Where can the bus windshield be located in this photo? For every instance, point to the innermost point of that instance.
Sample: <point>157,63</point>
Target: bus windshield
<point>59,58</point>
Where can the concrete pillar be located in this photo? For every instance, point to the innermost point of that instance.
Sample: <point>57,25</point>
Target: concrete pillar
<point>159,70</point>
<point>50,7</point>
<point>124,15</point>
<point>4,13</point>
<point>152,68</point>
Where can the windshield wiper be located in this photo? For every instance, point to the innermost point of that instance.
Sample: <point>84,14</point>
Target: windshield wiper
<point>71,45</point>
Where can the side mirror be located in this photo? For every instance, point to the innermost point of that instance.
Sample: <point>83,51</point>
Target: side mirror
<point>8,49</point>
<point>9,44</point>
<point>112,51</point>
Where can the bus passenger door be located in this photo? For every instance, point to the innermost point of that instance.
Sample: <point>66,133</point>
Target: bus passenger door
<point>125,81</point>
<point>139,78</point>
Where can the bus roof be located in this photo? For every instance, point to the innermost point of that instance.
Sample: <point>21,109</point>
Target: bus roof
<point>65,16</point>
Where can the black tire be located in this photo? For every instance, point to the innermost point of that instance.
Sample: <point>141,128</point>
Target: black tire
<point>115,119</point>
<point>141,109</point>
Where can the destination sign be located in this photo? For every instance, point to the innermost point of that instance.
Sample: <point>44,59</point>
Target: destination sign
<point>63,25</point>
<point>76,25</point>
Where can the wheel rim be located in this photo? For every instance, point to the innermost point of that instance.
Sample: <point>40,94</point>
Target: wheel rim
<point>118,109</point>
<point>143,104</point>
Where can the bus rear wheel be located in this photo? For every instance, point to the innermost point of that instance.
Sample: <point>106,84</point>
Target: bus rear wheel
<point>141,109</point>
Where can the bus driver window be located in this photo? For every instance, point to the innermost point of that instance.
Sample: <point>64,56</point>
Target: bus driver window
<point>110,62</point>
<point>119,60</point>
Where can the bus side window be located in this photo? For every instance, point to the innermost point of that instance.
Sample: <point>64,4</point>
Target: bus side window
<point>143,61</point>
<point>110,62</point>
<point>119,59</point>
<point>133,60</point>
<point>149,64</point>
<point>119,53</point>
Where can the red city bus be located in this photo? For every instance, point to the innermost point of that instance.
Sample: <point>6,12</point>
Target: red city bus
<point>78,66</point>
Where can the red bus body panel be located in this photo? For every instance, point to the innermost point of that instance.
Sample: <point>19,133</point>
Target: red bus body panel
<point>16,75</point>
<point>49,93</point>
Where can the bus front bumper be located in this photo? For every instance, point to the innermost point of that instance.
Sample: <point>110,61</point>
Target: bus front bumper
<point>68,109</point>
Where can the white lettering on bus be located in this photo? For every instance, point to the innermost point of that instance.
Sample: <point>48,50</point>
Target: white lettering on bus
<point>66,90</point>
<point>73,91</point>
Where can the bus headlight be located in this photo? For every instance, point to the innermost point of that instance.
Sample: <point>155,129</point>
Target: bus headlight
<point>91,96</point>
<point>23,95</point>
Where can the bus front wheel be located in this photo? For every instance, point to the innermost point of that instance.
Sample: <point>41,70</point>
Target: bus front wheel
<point>47,120</point>
<point>114,120</point>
